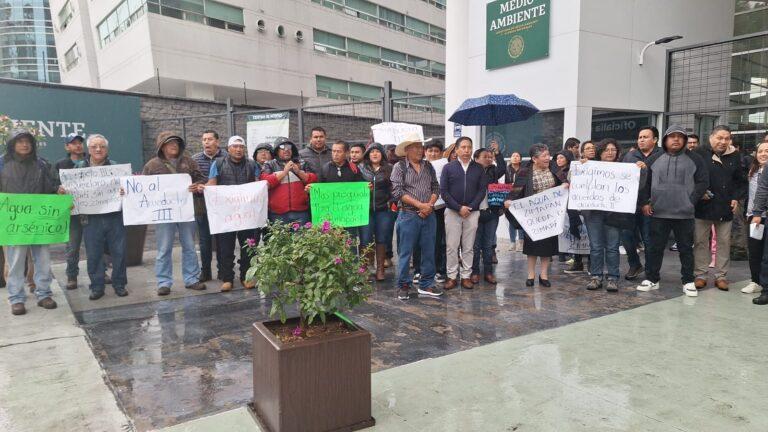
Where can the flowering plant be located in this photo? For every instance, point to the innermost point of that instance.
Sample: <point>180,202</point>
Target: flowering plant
<point>313,267</point>
<point>7,126</point>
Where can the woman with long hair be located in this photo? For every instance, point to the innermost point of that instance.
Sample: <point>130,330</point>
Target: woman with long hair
<point>377,170</point>
<point>755,247</point>
<point>537,177</point>
<point>515,233</point>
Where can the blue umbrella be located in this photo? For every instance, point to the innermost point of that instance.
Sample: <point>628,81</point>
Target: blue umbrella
<point>492,110</point>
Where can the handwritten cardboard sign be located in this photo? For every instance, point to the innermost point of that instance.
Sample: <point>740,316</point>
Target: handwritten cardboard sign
<point>157,199</point>
<point>395,133</point>
<point>345,204</point>
<point>542,215</point>
<point>236,208</point>
<point>567,243</point>
<point>608,186</point>
<point>34,219</point>
<point>95,190</point>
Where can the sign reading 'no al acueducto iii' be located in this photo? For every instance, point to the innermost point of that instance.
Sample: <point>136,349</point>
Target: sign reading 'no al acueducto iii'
<point>517,31</point>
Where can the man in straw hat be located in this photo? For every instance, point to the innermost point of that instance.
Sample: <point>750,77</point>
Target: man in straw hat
<point>414,185</point>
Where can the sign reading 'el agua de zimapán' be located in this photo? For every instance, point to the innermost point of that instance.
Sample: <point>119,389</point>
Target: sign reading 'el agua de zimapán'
<point>517,31</point>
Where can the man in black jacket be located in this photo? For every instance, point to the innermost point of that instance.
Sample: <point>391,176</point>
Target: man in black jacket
<point>75,154</point>
<point>727,182</point>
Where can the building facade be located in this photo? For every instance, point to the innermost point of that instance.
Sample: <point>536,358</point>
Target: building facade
<point>578,61</point>
<point>271,53</point>
<point>27,47</point>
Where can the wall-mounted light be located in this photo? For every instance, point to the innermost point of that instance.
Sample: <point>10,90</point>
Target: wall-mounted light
<point>663,40</point>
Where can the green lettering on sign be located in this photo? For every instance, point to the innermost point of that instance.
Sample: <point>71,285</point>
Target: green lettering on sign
<point>342,204</point>
<point>517,31</point>
<point>34,219</point>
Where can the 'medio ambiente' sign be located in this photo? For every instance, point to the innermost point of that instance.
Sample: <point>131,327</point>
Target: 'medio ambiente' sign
<point>517,31</point>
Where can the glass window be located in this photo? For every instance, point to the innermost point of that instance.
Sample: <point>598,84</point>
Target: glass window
<point>438,67</point>
<point>437,32</point>
<point>394,56</point>
<point>329,39</point>
<point>418,63</point>
<point>542,127</point>
<point>364,91</point>
<point>65,15</point>
<point>746,5</point>
<point>195,6</point>
<point>391,16</point>
<point>363,48</point>
<point>417,25</point>
<point>224,12</point>
<point>330,87</point>
<point>363,6</point>
<point>751,22</point>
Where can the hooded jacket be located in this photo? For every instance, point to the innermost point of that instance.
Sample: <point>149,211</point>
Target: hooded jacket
<point>675,181</point>
<point>184,165</point>
<point>287,195</point>
<point>382,184</point>
<point>29,175</point>
<point>315,159</point>
<point>727,182</point>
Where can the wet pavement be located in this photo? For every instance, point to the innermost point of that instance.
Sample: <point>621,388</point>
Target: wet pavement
<point>174,360</point>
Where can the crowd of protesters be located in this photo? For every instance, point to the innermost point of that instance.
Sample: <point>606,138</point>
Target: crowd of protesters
<point>698,192</point>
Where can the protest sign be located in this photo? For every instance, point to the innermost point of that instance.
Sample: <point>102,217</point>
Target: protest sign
<point>567,243</point>
<point>342,204</point>
<point>95,190</point>
<point>497,193</point>
<point>266,128</point>
<point>34,219</point>
<point>236,208</point>
<point>438,165</point>
<point>156,199</point>
<point>608,186</point>
<point>395,133</point>
<point>541,215</point>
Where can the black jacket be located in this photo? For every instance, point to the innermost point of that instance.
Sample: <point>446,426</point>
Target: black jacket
<point>329,173</point>
<point>727,181</point>
<point>382,185</point>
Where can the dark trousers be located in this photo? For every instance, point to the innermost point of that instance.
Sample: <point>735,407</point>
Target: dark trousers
<point>484,244</point>
<point>73,246</point>
<point>225,244</point>
<point>763,276</point>
<point>756,249</point>
<point>630,240</point>
<point>660,229</point>
<point>206,245</point>
<point>103,233</point>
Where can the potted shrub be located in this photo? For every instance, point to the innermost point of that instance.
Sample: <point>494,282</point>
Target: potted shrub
<point>311,372</point>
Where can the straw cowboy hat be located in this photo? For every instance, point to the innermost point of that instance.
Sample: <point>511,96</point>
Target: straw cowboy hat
<point>410,138</point>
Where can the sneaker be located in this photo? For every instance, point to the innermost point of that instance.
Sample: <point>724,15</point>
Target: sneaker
<point>121,292</point>
<point>622,250</point>
<point>690,290</point>
<point>431,291</point>
<point>752,288</point>
<point>612,285</point>
<point>647,285</point>
<point>673,248</point>
<point>416,278</point>
<point>197,286</point>
<point>95,295</point>
<point>47,303</point>
<point>440,278</point>
<point>71,282</point>
<point>163,291</point>
<point>574,268</point>
<point>634,272</point>
<point>594,284</point>
<point>403,292</point>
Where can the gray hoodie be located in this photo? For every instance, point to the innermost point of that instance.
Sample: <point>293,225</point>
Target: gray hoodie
<point>676,181</point>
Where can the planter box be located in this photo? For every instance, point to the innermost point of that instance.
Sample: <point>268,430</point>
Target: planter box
<point>316,385</point>
<point>135,235</point>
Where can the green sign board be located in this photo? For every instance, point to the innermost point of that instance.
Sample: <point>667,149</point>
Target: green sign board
<point>342,204</point>
<point>34,219</point>
<point>517,31</point>
<point>56,111</point>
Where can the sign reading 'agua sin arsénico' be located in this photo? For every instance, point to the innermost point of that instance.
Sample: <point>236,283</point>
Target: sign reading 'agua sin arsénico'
<point>517,31</point>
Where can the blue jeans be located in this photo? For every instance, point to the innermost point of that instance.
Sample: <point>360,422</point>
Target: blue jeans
<point>73,246</point>
<point>300,217</point>
<point>206,244</point>
<point>629,239</point>
<point>382,224</point>
<point>414,232</point>
<point>603,246</point>
<point>102,232</point>
<point>484,242</point>
<point>15,256</point>
<point>165,234</point>
<point>365,232</point>
<point>515,233</point>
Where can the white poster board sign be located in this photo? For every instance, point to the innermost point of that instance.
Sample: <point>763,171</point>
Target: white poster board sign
<point>94,190</point>
<point>236,208</point>
<point>157,199</point>
<point>438,165</point>
<point>608,186</point>
<point>567,243</point>
<point>395,133</point>
<point>265,128</point>
<point>542,215</point>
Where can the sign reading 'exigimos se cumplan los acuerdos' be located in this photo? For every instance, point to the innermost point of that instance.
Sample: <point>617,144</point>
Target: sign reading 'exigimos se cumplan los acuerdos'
<point>517,31</point>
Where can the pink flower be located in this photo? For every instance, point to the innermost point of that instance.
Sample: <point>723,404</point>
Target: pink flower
<point>361,270</point>
<point>349,242</point>
<point>297,331</point>
<point>251,242</point>
<point>308,225</point>
<point>326,226</point>
<point>338,260</point>
<point>295,226</point>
